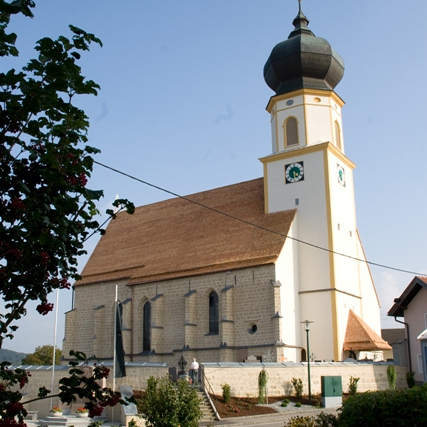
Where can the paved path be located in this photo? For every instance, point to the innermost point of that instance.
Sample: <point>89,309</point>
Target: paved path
<point>270,420</point>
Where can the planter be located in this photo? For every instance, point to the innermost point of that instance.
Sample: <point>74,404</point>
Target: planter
<point>56,414</point>
<point>82,414</point>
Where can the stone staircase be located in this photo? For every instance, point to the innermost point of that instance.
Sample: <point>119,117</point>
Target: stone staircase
<point>208,412</point>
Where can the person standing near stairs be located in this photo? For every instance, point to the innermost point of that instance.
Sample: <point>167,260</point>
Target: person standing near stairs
<point>194,371</point>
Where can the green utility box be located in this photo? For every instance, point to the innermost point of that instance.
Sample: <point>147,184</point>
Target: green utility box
<point>331,391</point>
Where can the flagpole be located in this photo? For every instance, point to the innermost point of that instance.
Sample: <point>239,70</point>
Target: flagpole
<point>115,341</point>
<point>114,349</point>
<point>54,344</point>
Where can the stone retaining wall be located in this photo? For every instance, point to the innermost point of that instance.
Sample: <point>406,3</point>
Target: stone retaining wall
<point>243,378</point>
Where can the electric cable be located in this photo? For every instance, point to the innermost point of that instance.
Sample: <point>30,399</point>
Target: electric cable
<point>257,225</point>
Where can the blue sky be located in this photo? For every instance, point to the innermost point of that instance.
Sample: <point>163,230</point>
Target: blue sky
<point>182,105</point>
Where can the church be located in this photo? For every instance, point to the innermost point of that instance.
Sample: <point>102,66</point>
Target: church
<point>253,268</point>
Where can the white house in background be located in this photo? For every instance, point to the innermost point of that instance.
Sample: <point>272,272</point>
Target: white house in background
<point>233,272</point>
<point>412,306</point>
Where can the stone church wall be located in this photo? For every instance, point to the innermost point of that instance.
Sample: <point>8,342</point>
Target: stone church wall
<point>247,317</point>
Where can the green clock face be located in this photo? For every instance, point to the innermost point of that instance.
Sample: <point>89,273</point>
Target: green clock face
<point>341,175</point>
<point>294,172</point>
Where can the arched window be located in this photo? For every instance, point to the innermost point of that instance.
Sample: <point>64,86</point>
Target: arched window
<point>213,313</point>
<point>303,355</point>
<point>146,327</point>
<point>291,132</point>
<point>338,136</point>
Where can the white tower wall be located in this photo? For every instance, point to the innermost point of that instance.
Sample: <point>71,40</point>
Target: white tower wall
<point>328,283</point>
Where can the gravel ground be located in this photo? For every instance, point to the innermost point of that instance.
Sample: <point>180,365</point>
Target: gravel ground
<point>291,407</point>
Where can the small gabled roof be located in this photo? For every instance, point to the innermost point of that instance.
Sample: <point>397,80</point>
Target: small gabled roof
<point>177,238</point>
<point>360,337</point>
<point>401,303</point>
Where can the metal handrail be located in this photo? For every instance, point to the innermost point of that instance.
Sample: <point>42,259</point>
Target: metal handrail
<point>209,392</point>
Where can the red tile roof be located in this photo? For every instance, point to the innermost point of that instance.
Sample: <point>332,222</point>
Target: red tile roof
<point>177,238</point>
<point>359,336</point>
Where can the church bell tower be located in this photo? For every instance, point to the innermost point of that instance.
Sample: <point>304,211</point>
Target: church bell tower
<point>309,171</point>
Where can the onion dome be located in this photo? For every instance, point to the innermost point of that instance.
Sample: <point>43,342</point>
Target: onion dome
<point>303,61</point>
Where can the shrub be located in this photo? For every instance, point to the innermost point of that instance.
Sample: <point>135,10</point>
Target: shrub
<point>352,385</point>
<point>284,404</point>
<point>388,408</point>
<point>262,386</point>
<point>316,400</point>
<point>301,422</point>
<point>321,420</point>
<point>410,380</point>
<point>166,404</point>
<point>298,404</point>
<point>391,376</point>
<point>327,420</point>
<point>297,383</point>
<point>226,392</point>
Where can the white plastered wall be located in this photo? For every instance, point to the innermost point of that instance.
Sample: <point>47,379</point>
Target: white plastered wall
<point>370,306</point>
<point>287,273</point>
<point>316,113</point>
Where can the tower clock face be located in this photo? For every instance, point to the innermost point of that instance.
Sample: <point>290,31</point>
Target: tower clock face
<point>341,175</point>
<point>294,172</point>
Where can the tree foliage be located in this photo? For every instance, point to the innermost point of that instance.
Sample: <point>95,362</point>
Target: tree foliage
<point>387,408</point>
<point>87,388</point>
<point>43,355</point>
<point>166,404</point>
<point>46,210</point>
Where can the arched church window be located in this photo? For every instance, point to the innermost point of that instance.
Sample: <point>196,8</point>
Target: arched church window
<point>303,355</point>
<point>146,327</point>
<point>291,132</point>
<point>338,136</point>
<point>213,313</point>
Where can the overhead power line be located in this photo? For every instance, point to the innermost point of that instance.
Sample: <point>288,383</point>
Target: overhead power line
<point>257,225</point>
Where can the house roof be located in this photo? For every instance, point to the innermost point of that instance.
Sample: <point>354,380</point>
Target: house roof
<point>401,303</point>
<point>359,336</point>
<point>393,335</point>
<point>178,238</point>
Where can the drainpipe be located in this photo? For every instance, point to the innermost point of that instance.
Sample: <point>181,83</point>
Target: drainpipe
<point>409,344</point>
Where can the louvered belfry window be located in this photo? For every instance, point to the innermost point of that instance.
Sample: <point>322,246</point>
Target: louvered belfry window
<point>291,128</point>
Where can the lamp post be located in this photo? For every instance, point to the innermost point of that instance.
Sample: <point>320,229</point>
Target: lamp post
<point>307,330</point>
